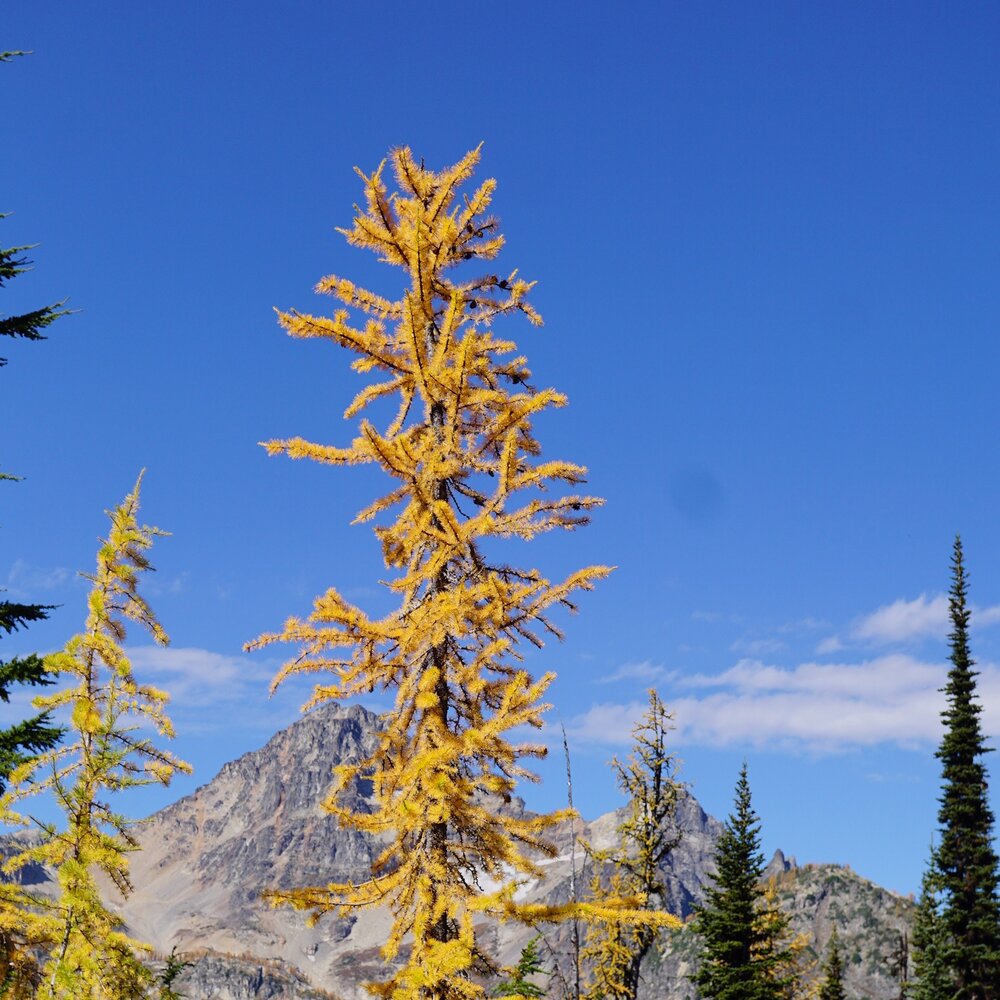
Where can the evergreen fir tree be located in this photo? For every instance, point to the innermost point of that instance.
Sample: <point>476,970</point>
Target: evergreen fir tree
<point>832,986</point>
<point>646,836</point>
<point>171,972</point>
<point>966,860</point>
<point>520,983</point>
<point>744,955</point>
<point>931,980</point>
<point>463,457</point>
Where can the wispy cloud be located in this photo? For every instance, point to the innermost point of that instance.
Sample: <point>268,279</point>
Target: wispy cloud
<point>757,647</point>
<point>170,586</point>
<point>707,616</point>
<point>807,624</point>
<point>831,644</point>
<point>717,617</point>
<point>644,671</point>
<point>812,707</point>
<point>25,580</point>
<point>986,616</point>
<point>199,679</point>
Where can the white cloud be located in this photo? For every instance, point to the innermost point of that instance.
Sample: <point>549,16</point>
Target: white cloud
<point>607,723</point>
<point>814,707</point>
<point>922,617</point>
<point>645,671</point>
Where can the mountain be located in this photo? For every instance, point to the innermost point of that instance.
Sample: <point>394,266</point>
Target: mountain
<point>204,862</point>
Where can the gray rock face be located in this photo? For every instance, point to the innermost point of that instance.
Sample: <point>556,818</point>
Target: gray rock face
<point>229,977</point>
<point>206,860</point>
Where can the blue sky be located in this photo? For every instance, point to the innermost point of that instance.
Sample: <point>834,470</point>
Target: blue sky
<point>765,241</point>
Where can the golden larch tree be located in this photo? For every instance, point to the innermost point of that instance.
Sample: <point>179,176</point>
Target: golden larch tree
<point>107,750</point>
<point>466,470</point>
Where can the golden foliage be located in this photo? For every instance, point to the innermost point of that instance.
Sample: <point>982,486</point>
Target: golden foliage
<point>89,956</point>
<point>463,454</point>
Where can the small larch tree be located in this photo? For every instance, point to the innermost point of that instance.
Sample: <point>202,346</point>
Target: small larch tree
<point>466,473</point>
<point>646,835</point>
<point>968,875</point>
<point>108,750</point>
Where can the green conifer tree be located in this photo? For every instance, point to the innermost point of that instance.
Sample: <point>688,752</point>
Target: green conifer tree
<point>832,985</point>
<point>172,971</point>
<point>744,954</point>
<point>520,985</point>
<point>932,980</point>
<point>966,859</point>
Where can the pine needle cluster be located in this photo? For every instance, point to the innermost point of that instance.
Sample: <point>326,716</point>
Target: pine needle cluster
<point>465,464</point>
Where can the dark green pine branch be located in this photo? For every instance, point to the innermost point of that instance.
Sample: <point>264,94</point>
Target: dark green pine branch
<point>29,325</point>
